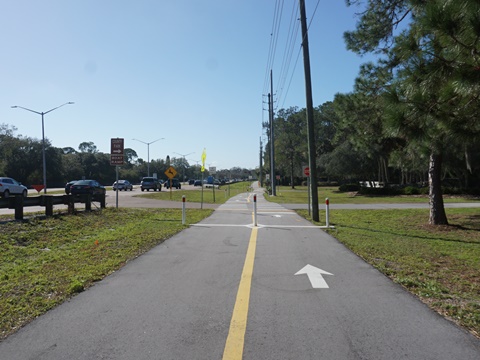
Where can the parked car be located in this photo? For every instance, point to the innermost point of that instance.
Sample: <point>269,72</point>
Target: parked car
<point>197,183</point>
<point>91,187</point>
<point>150,183</point>
<point>68,185</point>
<point>175,184</point>
<point>9,186</point>
<point>191,182</point>
<point>122,185</point>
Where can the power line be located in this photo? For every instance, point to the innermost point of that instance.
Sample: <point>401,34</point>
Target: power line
<point>292,35</point>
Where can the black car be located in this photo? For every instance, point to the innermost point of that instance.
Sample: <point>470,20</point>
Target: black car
<point>175,184</point>
<point>91,187</point>
<point>68,185</point>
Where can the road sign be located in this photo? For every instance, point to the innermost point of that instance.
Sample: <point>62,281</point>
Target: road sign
<point>116,152</point>
<point>306,170</point>
<point>171,172</point>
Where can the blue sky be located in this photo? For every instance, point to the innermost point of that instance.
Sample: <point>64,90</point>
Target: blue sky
<point>189,71</point>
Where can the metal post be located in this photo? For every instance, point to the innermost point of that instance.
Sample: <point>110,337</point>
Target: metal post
<point>44,159</point>
<point>116,168</point>
<point>148,160</point>
<point>201,202</point>
<point>43,139</point>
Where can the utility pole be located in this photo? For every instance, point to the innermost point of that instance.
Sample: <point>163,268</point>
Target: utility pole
<point>272,139</point>
<point>260,176</point>
<point>312,162</point>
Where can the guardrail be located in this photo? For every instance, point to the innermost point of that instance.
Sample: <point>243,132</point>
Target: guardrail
<point>19,203</point>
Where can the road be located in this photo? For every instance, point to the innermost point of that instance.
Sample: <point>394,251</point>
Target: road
<point>128,199</point>
<point>225,289</point>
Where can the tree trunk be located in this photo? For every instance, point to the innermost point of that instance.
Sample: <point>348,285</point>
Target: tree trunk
<point>437,209</point>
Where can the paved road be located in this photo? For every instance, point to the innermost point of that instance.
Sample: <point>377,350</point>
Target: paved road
<point>224,289</point>
<point>128,199</point>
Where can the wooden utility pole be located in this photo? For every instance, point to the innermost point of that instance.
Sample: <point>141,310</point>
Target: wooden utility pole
<point>260,176</point>
<point>312,161</point>
<point>272,141</point>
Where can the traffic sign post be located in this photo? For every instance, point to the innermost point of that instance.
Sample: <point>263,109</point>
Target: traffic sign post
<point>171,172</point>
<point>116,158</point>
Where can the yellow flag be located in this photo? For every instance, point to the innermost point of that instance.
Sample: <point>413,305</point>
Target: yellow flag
<point>204,158</point>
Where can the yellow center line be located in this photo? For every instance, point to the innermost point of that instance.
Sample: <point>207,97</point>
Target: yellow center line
<point>238,325</point>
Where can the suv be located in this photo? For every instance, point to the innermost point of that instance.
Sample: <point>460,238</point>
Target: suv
<point>150,183</point>
<point>9,186</point>
<point>175,184</point>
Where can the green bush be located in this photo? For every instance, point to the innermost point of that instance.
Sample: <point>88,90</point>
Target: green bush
<point>411,190</point>
<point>349,187</point>
<point>385,191</point>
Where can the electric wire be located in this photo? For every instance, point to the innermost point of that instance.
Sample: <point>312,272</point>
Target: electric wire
<point>286,71</point>
<point>284,92</point>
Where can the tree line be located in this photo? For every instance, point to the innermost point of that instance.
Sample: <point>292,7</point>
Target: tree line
<point>21,159</point>
<point>412,117</point>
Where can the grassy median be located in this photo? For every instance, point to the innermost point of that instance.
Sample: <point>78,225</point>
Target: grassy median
<point>46,261</point>
<point>299,195</point>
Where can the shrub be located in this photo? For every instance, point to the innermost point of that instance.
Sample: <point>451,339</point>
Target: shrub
<point>411,190</point>
<point>385,191</point>
<point>349,187</point>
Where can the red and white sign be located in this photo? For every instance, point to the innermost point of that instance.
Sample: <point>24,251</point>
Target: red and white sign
<point>306,170</point>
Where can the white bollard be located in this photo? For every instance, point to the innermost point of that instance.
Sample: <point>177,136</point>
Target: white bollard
<point>183,210</point>
<point>255,210</point>
<point>327,212</point>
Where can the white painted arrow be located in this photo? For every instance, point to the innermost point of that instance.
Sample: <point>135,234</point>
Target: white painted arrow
<point>315,276</point>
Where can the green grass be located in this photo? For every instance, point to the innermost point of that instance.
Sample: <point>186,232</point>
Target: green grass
<point>46,261</point>
<point>439,264</point>
<point>195,195</point>
<point>299,195</point>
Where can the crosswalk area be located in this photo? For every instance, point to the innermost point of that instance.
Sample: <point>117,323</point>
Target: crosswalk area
<point>245,202</point>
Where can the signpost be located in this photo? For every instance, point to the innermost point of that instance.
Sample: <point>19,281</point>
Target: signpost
<point>171,172</point>
<point>204,158</point>
<point>213,170</point>
<point>117,157</point>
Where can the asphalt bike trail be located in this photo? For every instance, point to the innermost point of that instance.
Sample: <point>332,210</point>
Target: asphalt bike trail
<point>227,289</point>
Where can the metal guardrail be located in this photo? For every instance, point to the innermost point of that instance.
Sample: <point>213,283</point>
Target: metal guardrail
<point>19,203</point>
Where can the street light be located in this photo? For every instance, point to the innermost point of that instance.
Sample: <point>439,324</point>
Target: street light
<point>43,139</point>
<point>148,151</point>
<point>184,162</point>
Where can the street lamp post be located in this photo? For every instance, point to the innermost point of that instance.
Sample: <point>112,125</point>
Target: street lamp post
<point>184,162</point>
<point>148,152</point>
<point>43,138</point>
